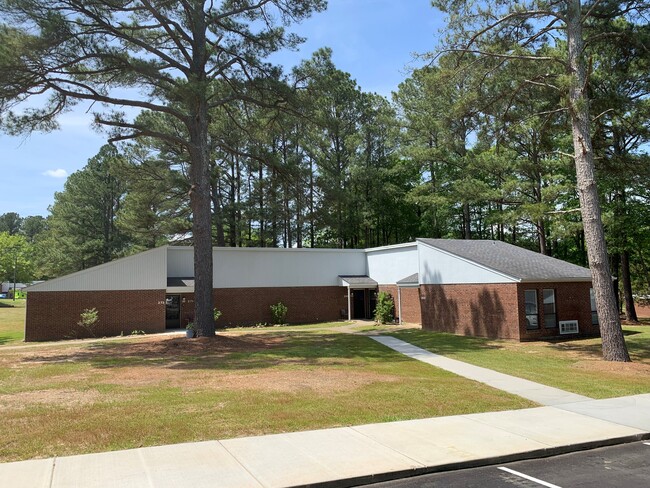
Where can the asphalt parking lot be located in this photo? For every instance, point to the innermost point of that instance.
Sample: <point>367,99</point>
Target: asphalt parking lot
<point>622,466</point>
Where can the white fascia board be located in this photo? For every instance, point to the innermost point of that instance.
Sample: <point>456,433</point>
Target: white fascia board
<point>408,285</point>
<point>393,246</point>
<point>473,263</point>
<point>94,269</point>
<point>274,249</point>
<point>175,290</point>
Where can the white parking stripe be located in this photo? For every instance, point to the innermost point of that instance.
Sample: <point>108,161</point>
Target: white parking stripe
<point>529,478</point>
<point>647,443</point>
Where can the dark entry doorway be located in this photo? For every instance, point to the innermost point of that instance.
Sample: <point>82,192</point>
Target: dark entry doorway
<point>173,312</point>
<point>359,304</point>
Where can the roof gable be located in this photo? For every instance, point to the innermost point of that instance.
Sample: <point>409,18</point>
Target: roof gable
<point>510,260</point>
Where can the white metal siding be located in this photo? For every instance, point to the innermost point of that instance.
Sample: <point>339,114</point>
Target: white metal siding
<point>144,271</point>
<point>388,266</point>
<point>180,262</point>
<point>235,268</point>
<point>440,268</point>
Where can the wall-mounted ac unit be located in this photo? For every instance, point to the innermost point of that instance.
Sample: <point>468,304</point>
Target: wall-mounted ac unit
<point>568,326</point>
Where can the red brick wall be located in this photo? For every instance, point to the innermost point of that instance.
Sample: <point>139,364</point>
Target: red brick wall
<point>411,308</point>
<point>642,311</point>
<point>54,315</point>
<point>485,310</point>
<point>250,306</point>
<point>411,312</point>
<point>571,303</point>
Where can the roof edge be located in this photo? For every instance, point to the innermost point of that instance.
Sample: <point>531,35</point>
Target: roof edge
<point>391,246</point>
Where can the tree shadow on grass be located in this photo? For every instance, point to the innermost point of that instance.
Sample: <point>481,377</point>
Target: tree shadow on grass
<point>638,345</point>
<point>243,352</point>
<point>4,339</point>
<point>445,343</point>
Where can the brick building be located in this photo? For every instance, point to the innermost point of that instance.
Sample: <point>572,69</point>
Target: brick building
<point>483,288</point>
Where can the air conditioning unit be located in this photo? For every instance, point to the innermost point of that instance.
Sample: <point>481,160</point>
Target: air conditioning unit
<point>568,326</point>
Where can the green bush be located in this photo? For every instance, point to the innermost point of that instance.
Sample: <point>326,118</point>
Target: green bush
<point>216,314</point>
<point>385,309</point>
<point>279,313</point>
<point>88,320</point>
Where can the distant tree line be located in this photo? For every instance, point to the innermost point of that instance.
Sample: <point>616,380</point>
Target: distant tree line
<point>353,169</point>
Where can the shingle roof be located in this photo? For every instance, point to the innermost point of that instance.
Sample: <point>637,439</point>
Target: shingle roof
<point>180,282</point>
<point>511,260</point>
<point>411,279</point>
<point>359,280</point>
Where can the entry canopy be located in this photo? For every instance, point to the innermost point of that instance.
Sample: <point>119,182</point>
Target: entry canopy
<point>180,285</point>
<point>411,280</point>
<point>357,281</point>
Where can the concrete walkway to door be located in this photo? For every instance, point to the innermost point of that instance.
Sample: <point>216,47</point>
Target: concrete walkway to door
<point>542,394</point>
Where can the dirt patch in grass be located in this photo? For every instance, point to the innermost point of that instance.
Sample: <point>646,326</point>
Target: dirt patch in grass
<point>321,381</point>
<point>624,369</point>
<point>157,348</point>
<point>62,398</point>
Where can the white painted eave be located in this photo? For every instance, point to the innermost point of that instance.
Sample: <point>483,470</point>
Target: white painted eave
<point>393,246</point>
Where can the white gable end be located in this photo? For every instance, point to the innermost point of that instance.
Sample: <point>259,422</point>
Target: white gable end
<point>438,267</point>
<point>389,265</point>
<point>143,271</point>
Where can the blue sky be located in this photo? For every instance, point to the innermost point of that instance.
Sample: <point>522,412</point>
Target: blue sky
<point>373,40</point>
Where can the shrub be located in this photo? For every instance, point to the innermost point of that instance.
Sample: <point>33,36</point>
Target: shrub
<point>88,320</point>
<point>279,313</point>
<point>216,314</point>
<point>385,309</point>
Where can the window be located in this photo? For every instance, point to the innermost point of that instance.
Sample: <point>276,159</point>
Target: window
<point>594,313</point>
<point>530,299</point>
<point>550,316</point>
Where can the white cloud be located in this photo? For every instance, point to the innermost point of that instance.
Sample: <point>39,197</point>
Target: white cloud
<point>56,173</point>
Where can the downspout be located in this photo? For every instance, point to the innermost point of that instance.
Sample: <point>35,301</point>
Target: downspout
<point>399,303</point>
<point>349,305</point>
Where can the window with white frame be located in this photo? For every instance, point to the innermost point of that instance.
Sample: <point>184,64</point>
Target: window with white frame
<point>532,313</point>
<point>594,312</point>
<point>550,315</point>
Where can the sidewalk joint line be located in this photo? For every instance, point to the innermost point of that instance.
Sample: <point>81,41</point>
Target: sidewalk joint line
<point>240,463</point>
<point>529,478</point>
<point>145,467</point>
<point>52,472</point>
<point>419,463</point>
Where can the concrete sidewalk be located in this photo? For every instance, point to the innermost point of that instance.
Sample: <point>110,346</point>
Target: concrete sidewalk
<point>351,456</point>
<point>542,394</point>
<point>344,456</point>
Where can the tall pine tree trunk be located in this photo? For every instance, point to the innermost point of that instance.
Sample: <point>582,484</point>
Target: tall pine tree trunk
<point>201,225</point>
<point>630,309</point>
<point>614,348</point>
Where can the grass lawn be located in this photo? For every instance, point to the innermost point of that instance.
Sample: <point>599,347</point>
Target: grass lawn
<point>572,365</point>
<point>94,396</point>
<point>12,321</point>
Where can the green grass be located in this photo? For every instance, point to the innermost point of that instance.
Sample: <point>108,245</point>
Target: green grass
<point>574,365</point>
<point>12,321</point>
<point>89,397</point>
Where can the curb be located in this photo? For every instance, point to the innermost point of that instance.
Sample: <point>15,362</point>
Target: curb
<point>475,463</point>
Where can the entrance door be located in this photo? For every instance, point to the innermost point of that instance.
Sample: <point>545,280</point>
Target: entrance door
<point>359,304</point>
<point>173,312</point>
